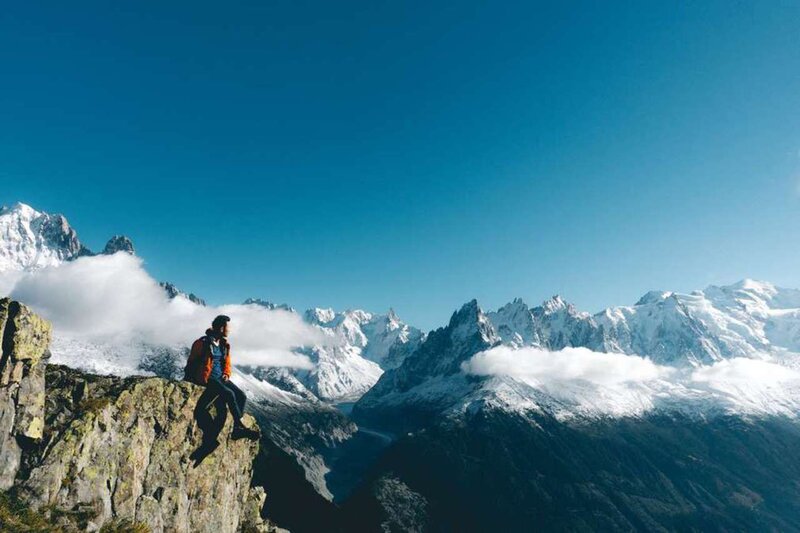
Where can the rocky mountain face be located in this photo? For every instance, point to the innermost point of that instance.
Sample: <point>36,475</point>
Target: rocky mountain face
<point>87,450</point>
<point>358,347</point>
<point>174,292</point>
<point>485,453</point>
<point>25,338</point>
<point>119,243</point>
<point>746,319</point>
<point>429,446</point>
<point>30,239</point>
<point>295,421</point>
<point>267,304</point>
<point>496,471</point>
<point>430,379</point>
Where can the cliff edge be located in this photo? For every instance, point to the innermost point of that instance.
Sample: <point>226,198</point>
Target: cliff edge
<point>90,451</point>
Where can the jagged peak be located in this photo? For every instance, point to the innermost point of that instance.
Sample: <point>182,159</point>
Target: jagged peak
<point>37,239</point>
<point>512,308</point>
<point>268,304</point>
<point>469,311</point>
<point>358,315</point>
<point>319,315</point>
<point>555,304</point>
<point>173,292</point>
<point>516,303</point>
<point>119,243</point>
<point>470,319</point>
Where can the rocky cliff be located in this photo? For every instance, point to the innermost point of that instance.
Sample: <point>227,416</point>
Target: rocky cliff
<point>88,451</point>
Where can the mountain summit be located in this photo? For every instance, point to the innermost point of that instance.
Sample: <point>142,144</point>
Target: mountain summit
<point>31,239</point>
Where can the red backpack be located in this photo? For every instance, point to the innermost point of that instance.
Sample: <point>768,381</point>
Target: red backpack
<point>196,362</point>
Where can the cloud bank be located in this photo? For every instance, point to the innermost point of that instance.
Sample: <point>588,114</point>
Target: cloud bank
<point>112,300</point>
<point>578,380</point>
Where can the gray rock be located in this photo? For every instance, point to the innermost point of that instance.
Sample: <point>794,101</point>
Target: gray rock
<point>88,451</point>
<point>119,243</point>
<point>25,338</point>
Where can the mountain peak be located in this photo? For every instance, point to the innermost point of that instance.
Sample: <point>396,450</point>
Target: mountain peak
<point>754,285</point>
<point>653,297</point>
<point>36,239</point>
<point>173,292</point>
<point>21,208</point>
<point>470,311</point>
<point>267,304</point>
<point>555,304</point>
<point>318,315</point>
<point>119,243</point>
<point>470,320</point>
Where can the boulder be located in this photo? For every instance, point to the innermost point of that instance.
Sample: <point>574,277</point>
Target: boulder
<point>25,340</point>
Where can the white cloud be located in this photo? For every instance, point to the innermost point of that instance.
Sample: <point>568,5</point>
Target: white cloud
<point>542,366</point>
<point>751,385</point>
<point>578,380</point>
<point>113,300</point>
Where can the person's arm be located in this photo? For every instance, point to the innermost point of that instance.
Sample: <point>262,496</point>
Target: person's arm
<point>226,367</point>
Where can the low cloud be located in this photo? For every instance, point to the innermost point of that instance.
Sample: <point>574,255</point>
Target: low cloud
<point>542,366</point>
<point>578,380</point>
<point>113,300</point>
<point>751,385</point>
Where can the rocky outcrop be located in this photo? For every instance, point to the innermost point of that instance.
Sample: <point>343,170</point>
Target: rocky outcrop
<point>90,450</point>
<point>173,292</point>
<point>25,338</point>
<point>119,243</point>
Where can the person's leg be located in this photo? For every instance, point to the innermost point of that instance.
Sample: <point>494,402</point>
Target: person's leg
<point>227,393</point>
<point>241,398</point>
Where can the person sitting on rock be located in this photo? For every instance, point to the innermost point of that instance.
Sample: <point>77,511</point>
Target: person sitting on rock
<point>209,364</point>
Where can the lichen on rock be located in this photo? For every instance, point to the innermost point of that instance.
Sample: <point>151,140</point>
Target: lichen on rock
<point>89,451</point>
<point>24,351</point>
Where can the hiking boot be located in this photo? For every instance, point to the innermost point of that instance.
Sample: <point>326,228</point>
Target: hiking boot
<point>241,432</point>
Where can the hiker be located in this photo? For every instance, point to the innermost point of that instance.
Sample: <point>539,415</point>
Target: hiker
<point>209,364</point>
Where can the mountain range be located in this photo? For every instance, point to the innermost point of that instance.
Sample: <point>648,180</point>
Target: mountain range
<point>675,413</point>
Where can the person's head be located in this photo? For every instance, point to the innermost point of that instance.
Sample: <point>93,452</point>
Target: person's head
<point>220,325</point>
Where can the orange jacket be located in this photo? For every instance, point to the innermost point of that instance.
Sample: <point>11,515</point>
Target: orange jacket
<point>200,362</point>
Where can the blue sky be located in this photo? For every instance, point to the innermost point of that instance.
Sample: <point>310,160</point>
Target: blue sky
<point>414,155</point>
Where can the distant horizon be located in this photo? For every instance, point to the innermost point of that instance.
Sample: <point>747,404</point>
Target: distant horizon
<point>412,156</point>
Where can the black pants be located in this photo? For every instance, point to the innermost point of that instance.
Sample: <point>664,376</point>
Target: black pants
<point>231,394</point>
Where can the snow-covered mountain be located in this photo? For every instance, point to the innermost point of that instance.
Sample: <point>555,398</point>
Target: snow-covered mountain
<point>174,292</point>
<point>492,396</point>
<point>360,346</point>
<point>697,347</point>
<point>746,319</point>
<point>30,239</point>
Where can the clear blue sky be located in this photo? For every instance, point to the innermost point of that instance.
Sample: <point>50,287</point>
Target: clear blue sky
<point>414,155</point>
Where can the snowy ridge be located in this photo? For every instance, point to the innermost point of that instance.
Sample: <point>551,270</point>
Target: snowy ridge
<point>30,239</point>
<point>359,343</point>
<point>698,339</point>
<point>746,319</point>
<point>725,350</point>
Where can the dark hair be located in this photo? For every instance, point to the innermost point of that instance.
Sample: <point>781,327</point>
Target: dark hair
<point>220,321</point>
